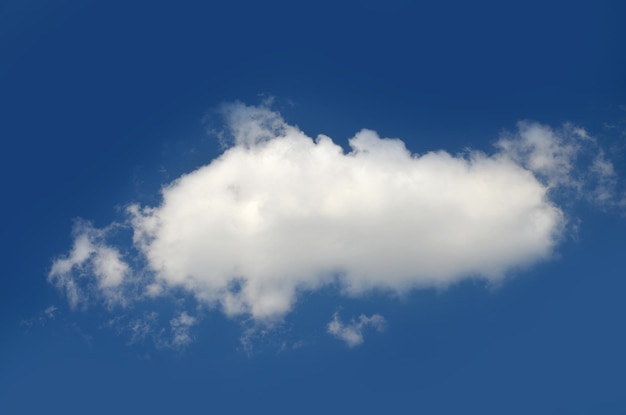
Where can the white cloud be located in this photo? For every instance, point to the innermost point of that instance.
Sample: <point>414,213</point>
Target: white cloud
<point>352,333</point>
<point>89,257</point>
<point>180,327</point>
<point>149,328</point>
<point>545,152</point>
<point>50,312</point>
<point>143,327</point>
<point>108,267</point>
<point>280,213</point>
<point>568,158</point>
<point>602,174</point>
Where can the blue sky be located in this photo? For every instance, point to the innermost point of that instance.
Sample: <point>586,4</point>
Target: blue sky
<point>475,264</point>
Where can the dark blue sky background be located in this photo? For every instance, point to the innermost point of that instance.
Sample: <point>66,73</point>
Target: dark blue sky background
<point>103,102</point>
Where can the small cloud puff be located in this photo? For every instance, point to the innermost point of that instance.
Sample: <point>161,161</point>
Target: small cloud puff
<point>352,333</point>
<point>180,327</point>
<point>90,258</point>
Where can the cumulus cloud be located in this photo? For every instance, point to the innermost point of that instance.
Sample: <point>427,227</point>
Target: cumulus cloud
<point>280,213</point>
<point>352,333</point>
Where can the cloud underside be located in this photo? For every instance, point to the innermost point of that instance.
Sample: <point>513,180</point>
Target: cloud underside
<point>280,213</point>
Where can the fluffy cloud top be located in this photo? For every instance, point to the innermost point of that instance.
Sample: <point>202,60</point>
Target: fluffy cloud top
<point>280,213</point>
